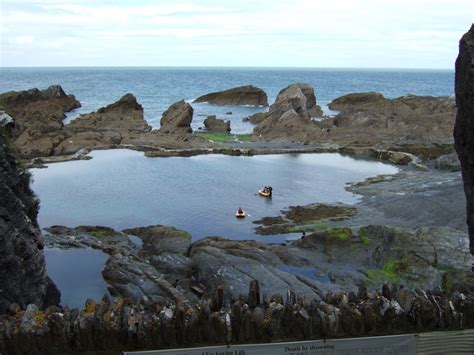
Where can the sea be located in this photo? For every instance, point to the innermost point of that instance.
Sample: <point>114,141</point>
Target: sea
<point>156,88</point>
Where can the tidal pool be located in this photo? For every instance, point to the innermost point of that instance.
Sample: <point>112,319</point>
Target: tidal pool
<point>77,273</point>
<point>124,189</point>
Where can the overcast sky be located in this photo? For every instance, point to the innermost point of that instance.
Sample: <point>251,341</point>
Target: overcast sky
<point>267,33</point>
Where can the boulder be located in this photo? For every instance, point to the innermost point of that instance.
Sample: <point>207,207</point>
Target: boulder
<point>242,95</point>
<point>308,92</point>
<point>159,239</point>
<point>464,128</point>
<point>214,124</point>
<point>5,119</point>
<point>177,118</point>
<point>22,267</point>
<point>288,117</point>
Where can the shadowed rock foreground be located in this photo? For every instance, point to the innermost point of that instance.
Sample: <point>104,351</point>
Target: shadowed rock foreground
<point>218,320</point>
<point>464,129</point>
<point>23,277</point>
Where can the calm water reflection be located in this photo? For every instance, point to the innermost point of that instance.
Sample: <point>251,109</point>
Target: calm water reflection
<point>123,189</point>
<point>77,273</point>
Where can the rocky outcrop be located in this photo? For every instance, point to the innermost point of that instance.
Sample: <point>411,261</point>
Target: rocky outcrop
<point>22,267</point>
<point>38,116</point>
<point>124,115</point>
<point>214,124</point>
<point>421,125</point>
<point>218,320</point>
<point>177,118</point>
<point>311,106</point>
<point>288,117</point>
<point>355,100</point>
<point>105,127</point>
<point>464,128</point>
<point>242,95</point>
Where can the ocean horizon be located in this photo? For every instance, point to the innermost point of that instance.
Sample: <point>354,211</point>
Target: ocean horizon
<point>156,88</point>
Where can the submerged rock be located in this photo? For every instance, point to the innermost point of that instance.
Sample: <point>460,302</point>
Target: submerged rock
<point>464,129</point>
<point>242,95</point>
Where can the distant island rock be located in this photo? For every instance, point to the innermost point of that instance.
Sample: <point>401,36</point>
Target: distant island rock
<point>238,96</point>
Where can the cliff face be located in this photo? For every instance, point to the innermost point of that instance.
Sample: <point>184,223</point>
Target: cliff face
<point>464,128</point>
<point>23,277</point>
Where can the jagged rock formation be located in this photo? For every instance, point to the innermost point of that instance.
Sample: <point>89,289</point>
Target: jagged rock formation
<point>177,118</point>
<point>219,320</point>
<point>214,124</point>
<point>242,95</point>
<point>464,128</point>
<point>22,268</point>
<point>38,116</point>
<point>288,116</point>
<point>107,126</point>
<point>308,91</point>
<point>418,124</point>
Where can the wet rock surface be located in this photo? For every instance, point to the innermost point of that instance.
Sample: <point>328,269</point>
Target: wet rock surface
<point>464,129</point>
<point>22,268</point>
<point>242,95</point>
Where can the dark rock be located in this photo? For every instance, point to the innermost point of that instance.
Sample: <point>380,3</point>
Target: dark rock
<point>242,95</point>
<point>214,124</point>
<point>22,265</point>
<point>464,128</point>
<point>177,118</point>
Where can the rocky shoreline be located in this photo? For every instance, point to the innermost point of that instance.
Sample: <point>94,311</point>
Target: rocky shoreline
<point>407,233</point>
<point>368,125</point>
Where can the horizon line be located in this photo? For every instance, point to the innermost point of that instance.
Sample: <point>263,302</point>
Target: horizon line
<point>218,67</point>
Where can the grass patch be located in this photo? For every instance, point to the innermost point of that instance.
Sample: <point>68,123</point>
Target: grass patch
<point>224,137</point>
<point>244,137</point>
<point>216,137</point>
<point>315,227</point>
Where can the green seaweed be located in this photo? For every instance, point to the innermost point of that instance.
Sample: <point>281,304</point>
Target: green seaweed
<point>184,234</point>
<point>388,273</point>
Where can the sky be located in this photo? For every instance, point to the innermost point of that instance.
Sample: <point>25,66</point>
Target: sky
<point>243,33</point>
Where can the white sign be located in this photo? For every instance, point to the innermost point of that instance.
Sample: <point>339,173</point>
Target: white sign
<point>386,345</point>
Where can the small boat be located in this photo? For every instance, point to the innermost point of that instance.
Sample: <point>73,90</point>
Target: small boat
<point>240,214</point>
<point>264,193</point>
